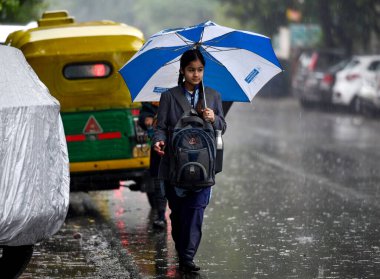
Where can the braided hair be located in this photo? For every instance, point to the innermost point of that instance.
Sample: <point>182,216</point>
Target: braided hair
<point>186,58</point>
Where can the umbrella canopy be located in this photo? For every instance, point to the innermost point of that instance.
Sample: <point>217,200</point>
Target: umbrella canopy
<point>238,63</point>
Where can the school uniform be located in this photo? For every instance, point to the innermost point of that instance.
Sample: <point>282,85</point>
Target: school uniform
<point>187,207</point>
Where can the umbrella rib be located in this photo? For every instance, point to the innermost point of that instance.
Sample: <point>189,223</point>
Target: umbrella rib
<point>221,37</point>
<point>172,62</point>
<point>182,39</point>
<point>218,49</point>
<point>200,40</point>
<point>177,49</point>
<point>213,59</point>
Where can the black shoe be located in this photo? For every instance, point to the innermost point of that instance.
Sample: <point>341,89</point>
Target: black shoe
<point>160,224</point>
<point>188,267</point>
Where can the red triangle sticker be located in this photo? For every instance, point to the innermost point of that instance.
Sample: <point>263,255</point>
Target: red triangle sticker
<point>92,126</point>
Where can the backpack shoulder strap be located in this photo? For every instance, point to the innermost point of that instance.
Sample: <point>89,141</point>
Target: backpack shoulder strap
<point>192,119</point>
<point>181,98</point>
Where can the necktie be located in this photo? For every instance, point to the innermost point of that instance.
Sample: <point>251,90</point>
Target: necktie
<point>192,99</point>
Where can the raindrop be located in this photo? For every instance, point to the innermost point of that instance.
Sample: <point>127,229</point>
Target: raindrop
<point>263,213</point>
<point>304,239</point>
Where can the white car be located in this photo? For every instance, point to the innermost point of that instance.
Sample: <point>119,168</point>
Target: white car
<point>369,93</point>
<point>350,79</point>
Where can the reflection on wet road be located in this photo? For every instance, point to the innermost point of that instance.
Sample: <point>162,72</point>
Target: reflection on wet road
<point>152,250</point>
<point>298,198</point>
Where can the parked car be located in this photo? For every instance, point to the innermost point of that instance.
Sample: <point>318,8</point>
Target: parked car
<point>350,79</point>
<point>315,76</point>
<point>369,93</point>
<point>34,163</point>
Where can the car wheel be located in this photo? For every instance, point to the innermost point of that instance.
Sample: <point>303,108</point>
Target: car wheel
<point>356,105</point>
<point>14,260</point>
<point>368,110</point>
<point>306,104</point>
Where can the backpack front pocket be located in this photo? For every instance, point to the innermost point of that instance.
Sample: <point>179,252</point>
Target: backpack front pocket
<point>193,165</point>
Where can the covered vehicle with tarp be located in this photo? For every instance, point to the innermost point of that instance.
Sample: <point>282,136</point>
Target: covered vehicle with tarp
<point>34,166</point>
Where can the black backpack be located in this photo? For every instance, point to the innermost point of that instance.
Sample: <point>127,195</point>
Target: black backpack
<point>193,148</point>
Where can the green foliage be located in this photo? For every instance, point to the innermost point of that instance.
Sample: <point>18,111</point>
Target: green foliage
<point>345,24</point>
<point>20,11</point>
<point>150,16</point>
<point>349,23</point>
<point>263,16</point>
<point>88,10</point>
<point>171,13</point>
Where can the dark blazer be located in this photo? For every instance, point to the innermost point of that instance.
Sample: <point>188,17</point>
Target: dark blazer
<point>170,111</point>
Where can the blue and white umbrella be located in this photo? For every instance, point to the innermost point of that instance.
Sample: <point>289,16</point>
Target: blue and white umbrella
<point>238,63</point>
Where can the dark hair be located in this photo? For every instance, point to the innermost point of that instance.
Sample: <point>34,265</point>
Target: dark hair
<point>187,57</point>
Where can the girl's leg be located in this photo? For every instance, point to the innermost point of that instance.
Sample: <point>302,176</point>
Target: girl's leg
<point>191,233</point>
<point>187,218</point>
<point>161,202</point>
<point>174,205</point>
<point>192,212</point>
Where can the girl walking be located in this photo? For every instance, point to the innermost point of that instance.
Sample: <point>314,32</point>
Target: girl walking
<point>187,206</point>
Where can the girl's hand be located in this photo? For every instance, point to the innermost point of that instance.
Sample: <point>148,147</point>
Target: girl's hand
<point>208,115</point>
<point>159,147</point>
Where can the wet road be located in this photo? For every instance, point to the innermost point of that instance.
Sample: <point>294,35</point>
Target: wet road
<point>298,198</point>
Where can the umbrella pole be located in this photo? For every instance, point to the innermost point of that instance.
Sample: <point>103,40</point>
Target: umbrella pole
<point>204,95</point>
<point>203,86</point>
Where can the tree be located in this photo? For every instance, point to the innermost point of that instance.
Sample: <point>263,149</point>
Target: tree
<point>155,15</point>
<point>20,11</point>
<point>263,16</point>
<point>345,24</point>
<point>150,16</point>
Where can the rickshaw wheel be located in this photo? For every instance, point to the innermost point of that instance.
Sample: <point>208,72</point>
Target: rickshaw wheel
<point>14,260</point>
